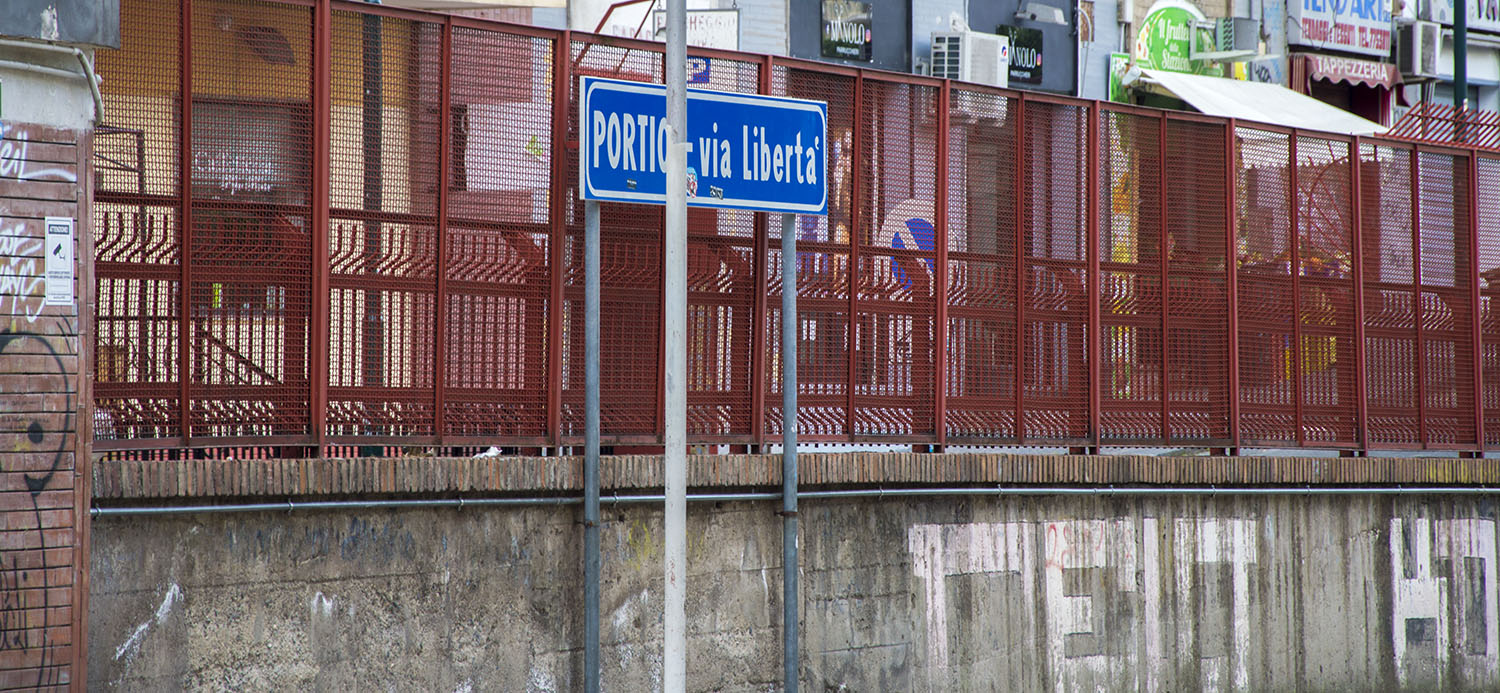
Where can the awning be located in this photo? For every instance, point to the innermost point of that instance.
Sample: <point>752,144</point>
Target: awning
<point>1340,69</point>
<point>1256,101</point>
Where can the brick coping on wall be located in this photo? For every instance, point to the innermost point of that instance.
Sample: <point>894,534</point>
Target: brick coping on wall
<point>168,479</point>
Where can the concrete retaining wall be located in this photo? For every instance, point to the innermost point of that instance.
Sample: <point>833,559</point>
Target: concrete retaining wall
<point>953,593</point>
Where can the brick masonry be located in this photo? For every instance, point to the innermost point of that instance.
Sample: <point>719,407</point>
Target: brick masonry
<point>166,479</point>
<point>43,489</point>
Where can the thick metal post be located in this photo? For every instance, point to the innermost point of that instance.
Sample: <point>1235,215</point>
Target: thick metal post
<point>185,227</point>
<point>562,66</point>
<point>1091,251</point>
<point>1231,279</point>
<point>1475,323</point>
<point>1295,242</point>
<point>1163,249</point>
<point>1019,255</point>
<point>789,566</point>
<point>591,446</point>
<point>940,276</point>
<point>674,305</point>
<point>322,83</point>
<point>1460,63</point>
<point>440,296</point>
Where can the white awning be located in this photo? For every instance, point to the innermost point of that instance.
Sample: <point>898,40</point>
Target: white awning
<point>1257,101</point>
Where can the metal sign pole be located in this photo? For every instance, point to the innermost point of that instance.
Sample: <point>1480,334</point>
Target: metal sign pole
<point>591,446</point>
<point>789,620</point>
<point>674,633</point>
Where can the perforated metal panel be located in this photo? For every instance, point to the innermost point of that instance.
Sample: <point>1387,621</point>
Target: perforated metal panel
<point>383,230</point>
<point>498,244</point>
<point>1131,343</point>
<point>630,282</point>
<point>1324,290</point>
<point>896,271</point>
<point>981,339</point>
<point>1389,296</point>
<point>138,226</point>
<point>1445,338</point>
<point>824,341</point>
<point>1197,307</point>
<point>250,286</point>
<point>1268,411</point>
<point>1054,274</point>
<point>1488,230</point>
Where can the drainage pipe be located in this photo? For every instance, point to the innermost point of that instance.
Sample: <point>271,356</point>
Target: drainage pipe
<point>291,505</point>
<point>85,66</point>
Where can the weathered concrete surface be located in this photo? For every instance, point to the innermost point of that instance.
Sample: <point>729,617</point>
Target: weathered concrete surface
<point>1265,593</point>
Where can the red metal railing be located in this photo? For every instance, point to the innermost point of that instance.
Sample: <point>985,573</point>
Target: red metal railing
<point>346,225</point>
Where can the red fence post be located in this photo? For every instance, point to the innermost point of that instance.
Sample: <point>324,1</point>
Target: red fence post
<point>1477,362</point>
<point>440,295</point>
<point>1165,305</point>
<point>1416,280</point>
<point>562,68</point>
<point>1357,215</point>
<point>1091,251</point>
<point>1231,282</point>
<point>940,291</point>
<point>322,69</point>
<point>1294,257</point>
<point>185,224</point>
<point>1020,257</point>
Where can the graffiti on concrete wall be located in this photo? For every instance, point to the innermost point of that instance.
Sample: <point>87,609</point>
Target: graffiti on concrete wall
<point>1444,599</point>
<point>34,442</point>
<point>1102,589</point>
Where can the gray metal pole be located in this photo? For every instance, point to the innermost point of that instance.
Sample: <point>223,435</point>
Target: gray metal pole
<point>591,446</point>
<point>1461,66</point>
<point>674,621</point>
<point>789,567</point>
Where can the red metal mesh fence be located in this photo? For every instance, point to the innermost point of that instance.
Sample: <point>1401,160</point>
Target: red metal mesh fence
<point>995,267</point>
<point>383,227</point>
<point>138,221</point>
<point>982,308</point>
<point>1131,323</point>
<point>824,280</point>
<point>1197,301</point>
<point>1386,199</point>
<point>1487,228</point>
<point>1053,358</point>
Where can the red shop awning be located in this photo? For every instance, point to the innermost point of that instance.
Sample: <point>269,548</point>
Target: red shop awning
<point>1351,70</point>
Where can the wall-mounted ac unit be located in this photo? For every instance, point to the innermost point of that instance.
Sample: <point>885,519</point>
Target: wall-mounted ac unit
<point>971,56</point>
<point>1440,11</point>
<point>1417,46</point>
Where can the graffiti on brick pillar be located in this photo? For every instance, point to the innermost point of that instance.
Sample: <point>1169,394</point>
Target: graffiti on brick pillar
<point>21,275</point>
<point>26,574</point>
<point>1445,619</point>
<point>1104,592</point>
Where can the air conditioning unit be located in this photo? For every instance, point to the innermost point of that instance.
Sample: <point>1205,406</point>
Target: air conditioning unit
<point>1440,11</point>
<point>1417,46</point>
<point>971,56</point>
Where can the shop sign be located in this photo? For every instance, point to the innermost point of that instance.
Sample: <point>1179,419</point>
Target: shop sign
<point>846,30</point>
<point>1357,26</point>
<point>1025,53</point>
<point>1166,39</point>
<point>1338,69</point>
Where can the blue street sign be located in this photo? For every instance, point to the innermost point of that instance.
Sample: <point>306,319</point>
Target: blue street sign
<point>745,151</point>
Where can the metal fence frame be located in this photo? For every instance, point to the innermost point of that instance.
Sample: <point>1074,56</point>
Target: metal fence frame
<point>1223,313</point>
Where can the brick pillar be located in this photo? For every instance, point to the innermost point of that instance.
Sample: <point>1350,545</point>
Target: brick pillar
<point>43,493</point>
